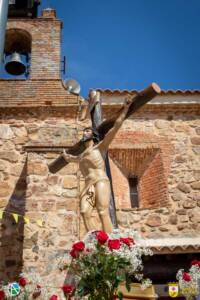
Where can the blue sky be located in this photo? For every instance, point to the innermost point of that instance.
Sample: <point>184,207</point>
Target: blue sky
<point>127,44</point>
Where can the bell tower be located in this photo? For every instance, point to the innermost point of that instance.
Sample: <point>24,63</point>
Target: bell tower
<point>32,43</point>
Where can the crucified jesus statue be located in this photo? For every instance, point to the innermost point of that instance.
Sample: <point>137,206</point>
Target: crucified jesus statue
<point>96,193</point>
<point>90,153</point>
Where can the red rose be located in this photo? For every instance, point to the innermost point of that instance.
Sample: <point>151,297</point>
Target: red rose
<point>127,241</point>
<point>79,246</point>
<point>101,237</point>
<point>73,253</point>
<point>68,289</point>
<point>114,244</point>
<point>22,281</point>
<point>186,276</point>
<point>53,297</point>
<point>2,295</point>
<point>131,240</point>
<point>195,262</point>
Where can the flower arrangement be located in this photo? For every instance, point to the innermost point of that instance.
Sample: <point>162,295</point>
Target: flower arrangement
<point>101,262</point>
<point>189,281</point>
<point>98,265</point>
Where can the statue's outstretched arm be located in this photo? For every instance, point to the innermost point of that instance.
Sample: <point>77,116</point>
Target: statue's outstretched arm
<point>118,123</point>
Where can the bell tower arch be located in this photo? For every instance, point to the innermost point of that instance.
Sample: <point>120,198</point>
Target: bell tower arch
<point>32,44</point>
<point>17,51</point>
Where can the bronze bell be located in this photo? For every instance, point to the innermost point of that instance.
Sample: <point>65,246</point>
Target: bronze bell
<point>15,65</point>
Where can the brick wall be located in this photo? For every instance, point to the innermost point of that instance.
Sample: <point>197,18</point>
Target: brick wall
<point>44,86</point>
<point>153,190</point>
<point>147,157</point>
<point>34,93</point>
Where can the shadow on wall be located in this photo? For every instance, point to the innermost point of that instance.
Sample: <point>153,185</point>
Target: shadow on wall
<point>12,233</point>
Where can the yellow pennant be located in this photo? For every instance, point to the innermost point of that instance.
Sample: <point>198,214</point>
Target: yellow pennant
<point>16,217</point>
<point>26,220</point>
<point>1,215</point>
<point>39,222</point>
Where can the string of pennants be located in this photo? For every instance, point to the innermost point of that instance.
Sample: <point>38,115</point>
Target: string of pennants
<point>16,217</point>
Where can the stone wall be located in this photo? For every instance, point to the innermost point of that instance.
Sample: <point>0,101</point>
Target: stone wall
<point>178,213</point>
<point>165,153</point>
<point>161,146</point>
<point>30,190</point>
<point>38,112</point>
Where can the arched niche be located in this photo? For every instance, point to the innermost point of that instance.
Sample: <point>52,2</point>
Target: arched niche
<point>18,40</point>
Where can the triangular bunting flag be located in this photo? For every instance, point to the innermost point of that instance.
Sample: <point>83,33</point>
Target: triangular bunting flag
<point>16,217</point>
<point>26,220</point>
<point>1,215</point>
<point>39,222</point>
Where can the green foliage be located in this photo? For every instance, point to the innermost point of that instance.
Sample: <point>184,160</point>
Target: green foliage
<point>100,273</point>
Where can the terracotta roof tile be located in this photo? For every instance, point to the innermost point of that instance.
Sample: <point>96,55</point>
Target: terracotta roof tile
<point>163,92</point>
<point>172,244</point>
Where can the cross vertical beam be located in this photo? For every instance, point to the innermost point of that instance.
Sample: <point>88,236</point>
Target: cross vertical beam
<point>95,108</point>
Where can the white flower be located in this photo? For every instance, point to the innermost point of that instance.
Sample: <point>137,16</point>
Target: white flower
<point>189,288</point>
<point>146,283</point>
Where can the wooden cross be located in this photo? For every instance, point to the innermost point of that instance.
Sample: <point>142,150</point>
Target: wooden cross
<point>102,128</point>
<point>138,101</point>
<point>97,118</point>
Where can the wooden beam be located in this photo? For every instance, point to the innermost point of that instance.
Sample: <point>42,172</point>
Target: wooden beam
<point>137,101</point>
